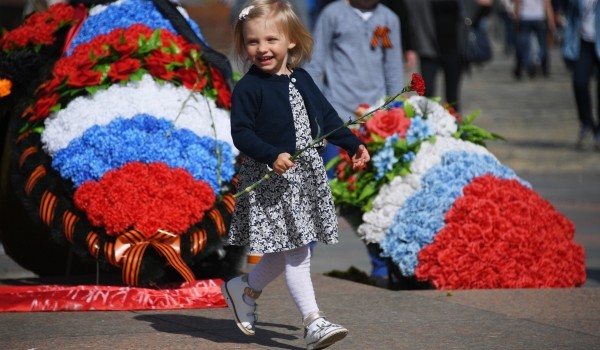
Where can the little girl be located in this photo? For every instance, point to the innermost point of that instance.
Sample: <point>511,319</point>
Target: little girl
<point>276,109</point>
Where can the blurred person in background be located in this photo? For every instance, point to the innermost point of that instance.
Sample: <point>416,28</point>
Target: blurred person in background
<point>533,17</point>
<point>581,52</point>
<point>506,11</point>
<point>438,33</point>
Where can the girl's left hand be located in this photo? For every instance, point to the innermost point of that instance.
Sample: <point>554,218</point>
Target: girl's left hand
<point>360,158</point>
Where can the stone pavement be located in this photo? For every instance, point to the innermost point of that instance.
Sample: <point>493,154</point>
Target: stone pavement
<point>538,119</point>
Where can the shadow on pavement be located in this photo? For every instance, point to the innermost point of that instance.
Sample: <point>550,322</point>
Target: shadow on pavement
<point>221,330</point>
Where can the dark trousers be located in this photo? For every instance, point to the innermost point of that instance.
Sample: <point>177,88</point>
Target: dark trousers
<point>584,68</point>
<point>451,66</point>
<point>525,59</point>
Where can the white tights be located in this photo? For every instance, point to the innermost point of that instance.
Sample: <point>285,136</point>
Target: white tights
<point>296,264</point>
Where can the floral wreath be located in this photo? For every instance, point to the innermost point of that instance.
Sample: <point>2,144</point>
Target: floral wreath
<point>445,211</point>
<point>132,175</point>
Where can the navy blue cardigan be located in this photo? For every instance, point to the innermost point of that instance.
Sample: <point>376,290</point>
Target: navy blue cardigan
<point>262,124</point>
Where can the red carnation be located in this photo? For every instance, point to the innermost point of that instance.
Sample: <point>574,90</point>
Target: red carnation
<point>501,234</point>
<point>223,93</point>
<point>147,197</point>
<point>157,65</point>
<point>123,68</point>
<point>43,105</point>
<point>190,79</point>
<point>417,84</point>
<point>84,78</point>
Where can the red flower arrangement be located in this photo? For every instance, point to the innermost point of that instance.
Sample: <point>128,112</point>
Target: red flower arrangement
<point>39,29</point>
<point>142,197</point>
<point>501,234</point>
<point>127,54</point>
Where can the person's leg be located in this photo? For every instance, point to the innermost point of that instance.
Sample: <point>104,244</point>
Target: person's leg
<point>379,267</point>
<point>523,48</point>
<point>298,280</point>
<point>268,268</point>
<point>526,41</point>
<point>319,333</point>
<point>596,73</point>
<point>241,292</point>
<point>541,34</point>
<point>452,67</point>
<point>429,67</point>
<point>509,33</point>
<point>582,71</point>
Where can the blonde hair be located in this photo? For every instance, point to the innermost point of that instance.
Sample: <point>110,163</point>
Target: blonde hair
<point>285,18</point>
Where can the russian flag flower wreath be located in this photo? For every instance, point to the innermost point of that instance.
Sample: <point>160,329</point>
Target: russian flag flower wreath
<point>124,152</point>
<point>445,212</point>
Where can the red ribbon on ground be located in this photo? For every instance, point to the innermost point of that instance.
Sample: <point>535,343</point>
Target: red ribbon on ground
<point>198,294</point>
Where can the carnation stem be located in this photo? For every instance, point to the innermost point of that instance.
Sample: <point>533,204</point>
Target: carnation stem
<point>321,138</point>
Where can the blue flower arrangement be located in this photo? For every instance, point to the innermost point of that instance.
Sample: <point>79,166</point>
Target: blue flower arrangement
<point>384,159</point>
<point>147,139</point>
<point>419,130</point>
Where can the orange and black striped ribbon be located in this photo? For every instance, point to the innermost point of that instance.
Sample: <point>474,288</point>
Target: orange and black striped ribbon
<point>34,177</point>
<point>381,34</point>
<point>129,248</point>
<point>92,240</point>
<point>47,206</point>
<point>69,220</point>
<point>26,153</point>
<point>198,238</point>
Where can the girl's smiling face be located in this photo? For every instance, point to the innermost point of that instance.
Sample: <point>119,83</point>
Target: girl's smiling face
<point>266,45</point>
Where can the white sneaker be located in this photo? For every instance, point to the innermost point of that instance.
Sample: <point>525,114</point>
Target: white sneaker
<point>244,314</point>
<point>320,333</point>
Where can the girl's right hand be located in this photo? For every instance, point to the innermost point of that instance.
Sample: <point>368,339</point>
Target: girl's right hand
<point>283,163</point>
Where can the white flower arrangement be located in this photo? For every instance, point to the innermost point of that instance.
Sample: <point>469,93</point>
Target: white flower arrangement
<point>143,97</point>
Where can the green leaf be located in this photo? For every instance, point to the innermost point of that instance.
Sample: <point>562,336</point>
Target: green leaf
<point>187,63</point>
<point>367,191</point>
<point>155,41</point>
<point>172,65</point>
<point>24,128</point>
<point>195,55</point>
<point>332,162</point>
<point>409,110</point>
<point>57,107</point>
<point>92,89</point>
<point>174,48</point>
<point>471,117</point>
<point>137,75</point>
<point>103,67</point>
<point>377,138</point>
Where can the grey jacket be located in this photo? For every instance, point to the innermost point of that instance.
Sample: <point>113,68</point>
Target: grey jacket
<point>346,67</point>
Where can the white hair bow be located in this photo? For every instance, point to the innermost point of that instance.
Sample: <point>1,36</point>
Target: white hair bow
<point>245,12</point>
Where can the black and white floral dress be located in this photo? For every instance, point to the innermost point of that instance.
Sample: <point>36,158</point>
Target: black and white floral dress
<point>290,210</point>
